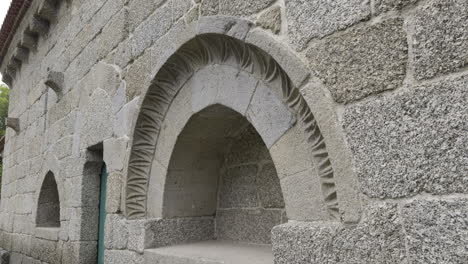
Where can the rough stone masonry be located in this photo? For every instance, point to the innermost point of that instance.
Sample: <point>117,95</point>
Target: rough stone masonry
<point>231,131</point>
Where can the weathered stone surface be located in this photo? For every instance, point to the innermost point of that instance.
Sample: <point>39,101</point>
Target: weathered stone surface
<point>436,230</point>
<point>221,84</point>
<point>247,225</point>
<point>164,232</point>
<point>210,252</point>
<point>139,10</point>
<point>303,196</point>
<point>192,15</point>
<point>379,238</point>
<point>123,257</point>
<point>412,142</point>
<point>365,60</point>
<point>238,187</point>
<point>47,251</point>
<point>209,7</point>
<point>98,119</point>
<point>440,40</point>
<point>271,19</point>
<point>247,147</point>
<point>269,115</point>
<point>242,8</point>
<point>136,235</point>
<point>116,232</point>
<point>155,26</point>
<point>269,190</point>
<point>381,6</point>
<point>290,154</point>
<point>180,8</point>
<point>309,19</point>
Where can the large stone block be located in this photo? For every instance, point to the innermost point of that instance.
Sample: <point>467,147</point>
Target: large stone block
<point>113,33</point>
<point>412,142</point>
<point>165,232</point>
<point>123,257</point>
<point>116,232</point>
<point>365,60</point>
<point>246,148</point>
<point>379,238</point>
<point>180,8</point>
<point>269,190</point>
<point>381,6</point>
<point>436,230</point>
<point>237,187</point>
<point>220,84</point>
<point>45,250</point>
<point>139,10</point>
<point>155,26</point>
<point>241,7</point>
<point>309,19</point>
<point>271,19</point>
<point>247,225</point>
<point>269,115</point>
<point>303,196</point>
<point>440,40</point>
<point>98,119</point>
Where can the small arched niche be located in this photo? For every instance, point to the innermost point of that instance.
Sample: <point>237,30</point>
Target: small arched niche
<point>221,168</point>
<point>48,208</point>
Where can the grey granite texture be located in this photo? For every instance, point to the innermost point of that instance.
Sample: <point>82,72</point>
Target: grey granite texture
<point>440,38</point>
<point>379,238</point>
<point>436,230</point>
<point>271,19</point>
<point>382,6</point>
<point>309,19</point>
<point>247,225</point>
<point>412,142</point>
<point>365,60</point>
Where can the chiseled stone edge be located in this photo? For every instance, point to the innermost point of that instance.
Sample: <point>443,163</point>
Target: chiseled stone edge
<point>194,54</point>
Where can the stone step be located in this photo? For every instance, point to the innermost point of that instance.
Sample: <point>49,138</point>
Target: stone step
<point>210,252</point>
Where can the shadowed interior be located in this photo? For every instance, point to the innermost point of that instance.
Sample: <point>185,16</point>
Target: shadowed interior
<point>48,210</point>
<point>221,168</point>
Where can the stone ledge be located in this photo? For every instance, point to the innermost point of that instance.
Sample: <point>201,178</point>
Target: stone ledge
<point>210,252</point>
<point>49,233</point>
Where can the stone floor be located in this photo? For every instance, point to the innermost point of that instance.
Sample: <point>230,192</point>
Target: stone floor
<point>210,252</point>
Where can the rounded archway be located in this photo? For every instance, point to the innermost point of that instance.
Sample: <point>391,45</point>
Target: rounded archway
<point>252,83</point>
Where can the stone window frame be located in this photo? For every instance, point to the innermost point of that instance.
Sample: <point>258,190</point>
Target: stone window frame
<point>293,74</point>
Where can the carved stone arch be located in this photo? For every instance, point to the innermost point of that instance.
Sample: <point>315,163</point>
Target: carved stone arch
<point>196,53</point>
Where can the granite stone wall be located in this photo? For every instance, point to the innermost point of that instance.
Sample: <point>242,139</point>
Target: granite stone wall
<point>387,82</point>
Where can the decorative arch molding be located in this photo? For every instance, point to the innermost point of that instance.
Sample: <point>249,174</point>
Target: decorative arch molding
<point>217,49</point>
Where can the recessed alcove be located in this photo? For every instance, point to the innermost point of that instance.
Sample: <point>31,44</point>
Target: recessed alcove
<point>221,169</point>
<point>48,209</point>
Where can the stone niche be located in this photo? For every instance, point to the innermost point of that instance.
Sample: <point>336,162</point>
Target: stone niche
<point>48,209</point>
<point>221,176</point>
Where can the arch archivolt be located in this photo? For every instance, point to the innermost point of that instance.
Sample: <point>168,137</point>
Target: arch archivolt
<point>195,65</point>
<point>179,60</point>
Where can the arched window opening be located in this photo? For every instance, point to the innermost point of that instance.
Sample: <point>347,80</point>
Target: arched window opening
<point>48,209</point>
